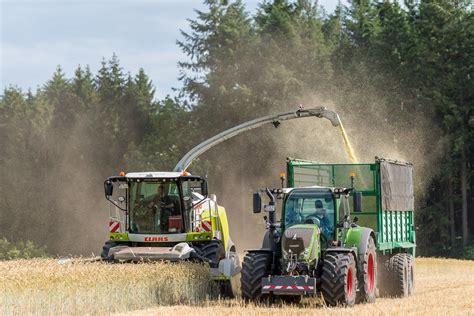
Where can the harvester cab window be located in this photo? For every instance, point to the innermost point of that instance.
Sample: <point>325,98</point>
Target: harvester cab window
<point>311,207</point>
<point>155,207</point>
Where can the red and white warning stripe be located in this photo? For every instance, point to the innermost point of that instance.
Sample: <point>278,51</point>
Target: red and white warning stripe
<point>114,226</point>
<point>289,287</point>
<point>206,226</point>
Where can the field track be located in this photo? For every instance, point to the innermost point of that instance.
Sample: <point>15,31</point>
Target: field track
<point>443,287</point>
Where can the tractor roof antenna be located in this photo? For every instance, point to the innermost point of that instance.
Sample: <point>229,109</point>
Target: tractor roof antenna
<point>276,120</point>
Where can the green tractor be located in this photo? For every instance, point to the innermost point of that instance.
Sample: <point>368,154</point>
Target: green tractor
<point>346,233</point>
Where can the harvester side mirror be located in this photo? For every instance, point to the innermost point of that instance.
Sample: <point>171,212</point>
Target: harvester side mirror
<point>357,202</point>
<point>204,189</point>
<point>257,203</point>
<point>109,188</point>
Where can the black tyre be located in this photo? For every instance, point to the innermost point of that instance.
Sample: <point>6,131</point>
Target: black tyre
<point>255,266</point>
<point>398,270</point>
<point>213,251</point>
<point>411,273</point>
<point>339,279</point>
<point>105,251</point>
<point>367,275</point>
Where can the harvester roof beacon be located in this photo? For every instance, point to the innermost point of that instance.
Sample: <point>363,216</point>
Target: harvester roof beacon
<point>317,249</point>
<point>170,216</point>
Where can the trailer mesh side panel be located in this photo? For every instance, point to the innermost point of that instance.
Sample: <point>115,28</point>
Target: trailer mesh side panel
<point>335,176</point>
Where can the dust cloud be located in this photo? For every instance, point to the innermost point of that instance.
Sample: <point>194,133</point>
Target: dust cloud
<point>255,159</point>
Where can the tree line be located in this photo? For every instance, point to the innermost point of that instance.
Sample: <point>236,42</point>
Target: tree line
<point>410,62</point>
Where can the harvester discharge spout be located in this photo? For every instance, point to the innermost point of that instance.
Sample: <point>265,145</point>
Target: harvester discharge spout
<point>320,112</point>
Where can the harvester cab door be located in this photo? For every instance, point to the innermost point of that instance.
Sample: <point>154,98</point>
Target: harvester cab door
<point>116,192</point>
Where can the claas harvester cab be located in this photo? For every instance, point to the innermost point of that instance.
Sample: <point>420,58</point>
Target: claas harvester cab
<point>169,216</point>
<point>346,233</point>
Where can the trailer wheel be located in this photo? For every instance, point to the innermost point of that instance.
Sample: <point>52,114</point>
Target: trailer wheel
<point>104,255</point>
<point>339,279</point>
<point>256,265</point>
<point>368,274</point>
<point>398,268</point>
<point>411,273</point>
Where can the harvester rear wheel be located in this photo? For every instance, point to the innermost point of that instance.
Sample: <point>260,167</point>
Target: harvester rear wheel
<point>256,265</point>
<point>368,274</point>
<point>339,279</point>
<point>399,272</point>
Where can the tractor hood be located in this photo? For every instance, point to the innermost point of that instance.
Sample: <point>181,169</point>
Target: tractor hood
<point>302,241</point>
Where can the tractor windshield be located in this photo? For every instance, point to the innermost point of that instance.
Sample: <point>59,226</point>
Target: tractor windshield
<point>311,206</point>
<point>155,207</point>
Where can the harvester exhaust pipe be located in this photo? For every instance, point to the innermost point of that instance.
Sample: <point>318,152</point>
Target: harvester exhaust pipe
<point>320,112</point>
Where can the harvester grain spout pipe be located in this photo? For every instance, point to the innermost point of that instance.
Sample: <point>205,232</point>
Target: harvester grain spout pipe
<point>276,120</point>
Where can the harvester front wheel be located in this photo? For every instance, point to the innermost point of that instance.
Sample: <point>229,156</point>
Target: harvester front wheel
<point>368,274</point>
<point>256,265</point>
<point>339,279</point>
<point>212,250</point>
<point>104,255</point>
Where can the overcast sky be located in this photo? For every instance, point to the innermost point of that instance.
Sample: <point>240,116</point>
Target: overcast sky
<point>38,35</point>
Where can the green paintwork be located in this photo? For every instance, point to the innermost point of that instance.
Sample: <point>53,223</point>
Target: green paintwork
<point>353,237</point>
<point>313,251</point>
<point>117,237</point>
<point>202,236</point>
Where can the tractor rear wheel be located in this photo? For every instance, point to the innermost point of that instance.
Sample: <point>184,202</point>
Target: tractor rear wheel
<point>368,274</point>
<point>256,265</point>
<point>399,273</point>
<point>339,279</point>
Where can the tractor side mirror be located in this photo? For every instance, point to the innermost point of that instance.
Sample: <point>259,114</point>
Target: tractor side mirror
<point>257,203</point>
<point>109,188</point>
<point>357,202</point>
<point>204,188</point>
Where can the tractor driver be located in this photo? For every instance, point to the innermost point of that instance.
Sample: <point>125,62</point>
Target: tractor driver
<point>321,215</point>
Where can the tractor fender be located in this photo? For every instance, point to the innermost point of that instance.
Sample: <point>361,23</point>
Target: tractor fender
<point>359,237</point>
<point>352,250</point>
<point>266,240</point>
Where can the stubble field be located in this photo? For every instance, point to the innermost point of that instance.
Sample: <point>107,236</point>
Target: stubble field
<point>42,286</point>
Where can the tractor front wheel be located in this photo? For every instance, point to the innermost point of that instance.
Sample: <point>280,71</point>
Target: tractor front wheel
<point>339,279</point>
<point>256,265</point>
